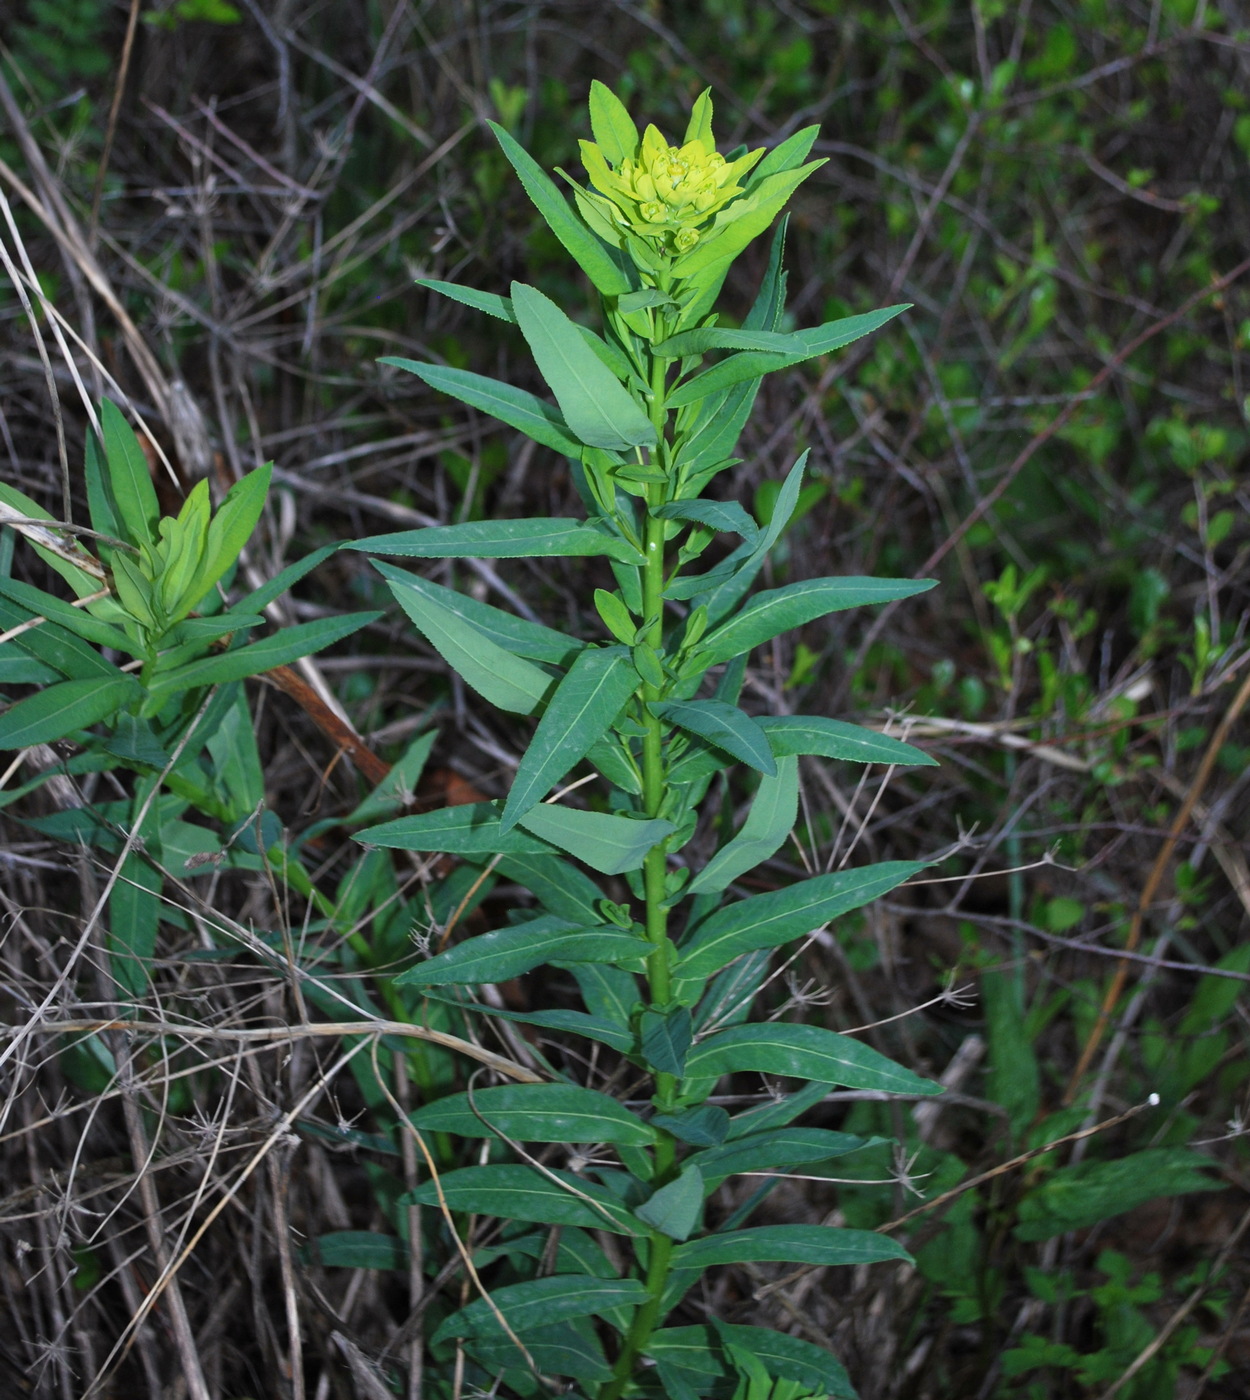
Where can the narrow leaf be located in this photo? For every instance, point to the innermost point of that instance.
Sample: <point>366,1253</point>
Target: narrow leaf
<point>614,130</point>
<point>129,478</point>
<point>359,1249</point>
<point>586,702</point>
<point>506,681</point>
<point>773,1152</point>
<point>513,951</point>
<point>609,844</point>
<point>802,1052</point>
<point>751,364</point>
<point>778,610</point>
<point>674,1209</point>
<point>536,1113</point>
<point>587,251</point>
<point>791,1359</point>
<point>63,709</point>
<point>769,920</point>
<point>789,1244</point>
<point>489,302</point>
<point>516,407</point>
<point>75,620</point>
<point>596,406</point>
<point>559,887</point>
<point>723,725</point>
<point>770,820</point>
<point>283,647</point>
<point>536,538</point>
<point>515,1192</point>
<point>726,516</point>
<point>833,738</point>
<point>469,829</point>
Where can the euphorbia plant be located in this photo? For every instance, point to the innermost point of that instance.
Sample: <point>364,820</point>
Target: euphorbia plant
<point>669,975</point>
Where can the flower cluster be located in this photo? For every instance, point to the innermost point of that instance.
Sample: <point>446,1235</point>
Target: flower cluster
<point>665,193</point>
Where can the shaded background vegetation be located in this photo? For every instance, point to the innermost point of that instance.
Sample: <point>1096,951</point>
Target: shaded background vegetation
<point>1056,430</point>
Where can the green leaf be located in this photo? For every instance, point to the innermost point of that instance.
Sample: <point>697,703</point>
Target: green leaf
<point>514,1192</point>
<point>537,1113</point>
<point>508,682</point>
<point>76,620</point>
<point>699,127</point>
<point>63,709</point>
<point>802,1052</point>
<point>751,364</point>
<point>512,951</point>
<point>723,725</point>
<point>538,538</point>
<point>674,1209</point>
<point>399,785</point>
<point>574,1022</point>
<point>17,668</point>
<point>832,738</point>
<point>614,131</point>
<point>773,1152</point>
<point>360,1249</point>
<point>1076,1197</point>
<point>704,1126</point>
<point>586,702</point>
<point>777,1113</point>
<point>489,302</point>
<point>559,887</point>
<point>516,407</point>
<point>726,516</point>
<point>769,920</point>
<point>259,598</point>
<point>471,828</point>
<point>778,610</point>
<point>789,1244</point>
<point>84,579</point>
<point>99,494</point>
<point>666,1036</point>
<point>597,408</point>
<point>617,618</point>
<point>791,1359</point>
<point>770,820</point>
<point>130,481</point>
<point>515,634</point>
<point>560,1350</point>
<point>609,844</point>
<point>587,251</point>
<point>278,650</point>
<point>55,647</point>
<point>228,532</point>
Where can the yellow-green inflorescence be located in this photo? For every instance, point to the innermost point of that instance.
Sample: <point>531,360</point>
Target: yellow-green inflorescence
<point>668,193</point>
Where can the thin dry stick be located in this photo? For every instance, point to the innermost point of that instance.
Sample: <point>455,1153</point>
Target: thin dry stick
<point>1153,881</point>
<point>416,1262</point>
<point>110,131</point>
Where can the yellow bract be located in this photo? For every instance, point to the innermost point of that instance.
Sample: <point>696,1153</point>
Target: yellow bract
<point>667,193</point>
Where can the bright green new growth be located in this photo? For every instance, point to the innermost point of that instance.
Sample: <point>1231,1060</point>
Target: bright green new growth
<point>651,705</point>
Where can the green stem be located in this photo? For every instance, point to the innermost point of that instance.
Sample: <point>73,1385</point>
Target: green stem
<point>645,1320</point>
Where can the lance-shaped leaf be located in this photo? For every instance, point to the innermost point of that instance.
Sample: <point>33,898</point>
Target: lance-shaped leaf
<point>674,1209</point>
<point>596,406</point>
<point>283,647</point>
<point>806,345</point>
<point>536,538</point>
<point>790,1359</point>
<point>229,530</point>
<point>76,620</point>
<point>54,646</point>
<point>561,1349</point>
<point>773,1152</point>
<point>466,830</point>
<point>506,681</point>
<point>130,482</point>
<point>515,634</point>
<point>536,1113</point>
<point>360,1249</point>
<point>516,407</point>
<point>802,1052</point>
<point>769,822</point>
<point>769,920</point>
<point>723,725</point>
<point>833,738</point>
<point>574,1022</point>
<point>716,515</point>
<point>590,254</point>
<point>559,887</point>
<point>584,705</point>
<point>63,709</point>
<point>521,1193</point>
<point>513,951</point>
<point>614,130</point>
<point>779,610</point>
<point>489,302</point>
<point>789,1244</point>
<point>609,844</point>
